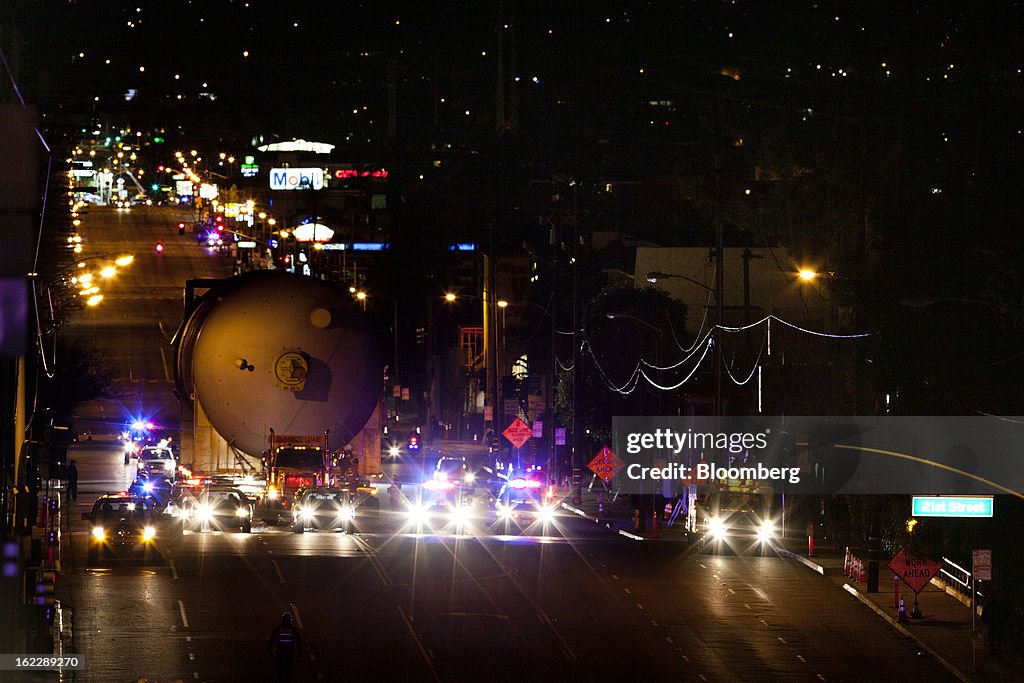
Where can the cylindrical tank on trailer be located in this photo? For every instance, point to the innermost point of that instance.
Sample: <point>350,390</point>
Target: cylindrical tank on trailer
<point>274,350</point>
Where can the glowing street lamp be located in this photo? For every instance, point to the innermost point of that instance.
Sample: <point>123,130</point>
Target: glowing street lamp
<point>807,274</point>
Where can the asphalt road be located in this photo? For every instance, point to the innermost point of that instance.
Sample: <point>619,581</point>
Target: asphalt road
<point>141,309</point>
<point>574,603</point>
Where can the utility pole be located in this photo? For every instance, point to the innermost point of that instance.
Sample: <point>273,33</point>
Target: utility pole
<point>719,268</point>
<point>577,355</point>
<point>746,256</point>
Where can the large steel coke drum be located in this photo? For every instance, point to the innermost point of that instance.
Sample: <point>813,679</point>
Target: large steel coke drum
<point>272,350</point>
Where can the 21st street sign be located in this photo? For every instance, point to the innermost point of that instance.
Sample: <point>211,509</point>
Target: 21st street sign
<point>916,572</point>
<point>951,506</point>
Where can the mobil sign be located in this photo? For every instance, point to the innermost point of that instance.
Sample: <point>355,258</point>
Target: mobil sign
<point>296,179</point>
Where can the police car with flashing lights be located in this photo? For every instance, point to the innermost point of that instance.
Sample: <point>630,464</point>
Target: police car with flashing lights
<point>520,500</point>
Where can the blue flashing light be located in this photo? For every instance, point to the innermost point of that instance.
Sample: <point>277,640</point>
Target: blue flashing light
<point>274,244</point>
<point>369,246</point>
<point>465,246</point>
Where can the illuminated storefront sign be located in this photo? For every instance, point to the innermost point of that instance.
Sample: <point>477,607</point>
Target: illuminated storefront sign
<point>296,179</point>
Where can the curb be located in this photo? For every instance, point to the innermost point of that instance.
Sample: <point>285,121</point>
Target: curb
<point>799,558</point>
<point>903,630</point>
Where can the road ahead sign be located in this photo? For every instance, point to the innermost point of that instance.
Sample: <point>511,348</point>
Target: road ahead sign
<point>518,433</point>
<point>951,506</point>
<point>916,572</point>
<point>606,464</point>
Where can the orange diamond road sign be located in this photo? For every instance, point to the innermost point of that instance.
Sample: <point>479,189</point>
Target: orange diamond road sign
<point>916,572</point>
<point>518,433</point>
<point>606,464</point>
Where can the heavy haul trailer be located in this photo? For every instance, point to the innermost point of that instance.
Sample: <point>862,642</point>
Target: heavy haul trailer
<point>267,351</point>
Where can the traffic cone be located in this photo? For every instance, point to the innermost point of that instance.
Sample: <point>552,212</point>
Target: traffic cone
<point>863,576</point>
<point>846,562</point>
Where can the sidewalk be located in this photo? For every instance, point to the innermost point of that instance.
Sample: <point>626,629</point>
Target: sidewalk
<point>944,631</point>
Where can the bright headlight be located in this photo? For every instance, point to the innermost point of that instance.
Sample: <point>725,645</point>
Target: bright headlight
<point>307,513</point>
<point>346,513</point>
<point>272,493</point>
<point>766,531</point>
<point>148,534</point>
<point>504,511</point>
<point>169,466</point>
<point>546,514</point>
<point>460,514</point>
<point>417,514</point>
<point>393,452</point>
<point>98,533</point>
<point>204,512</point>
<point>716,527</point>
<point>469,478</point>
<point>241,512</point>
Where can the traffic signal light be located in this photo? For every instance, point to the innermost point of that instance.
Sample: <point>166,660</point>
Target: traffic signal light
<point>159,247</point>
<point>181,228</point>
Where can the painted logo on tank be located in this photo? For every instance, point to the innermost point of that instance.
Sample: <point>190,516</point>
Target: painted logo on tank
<point>291,370</point>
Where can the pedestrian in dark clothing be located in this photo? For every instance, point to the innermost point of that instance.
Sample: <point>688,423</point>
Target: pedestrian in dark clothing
<point>993,616</point>
<point>288,643</point>
<point>395,495</point>
<point>72,477</point>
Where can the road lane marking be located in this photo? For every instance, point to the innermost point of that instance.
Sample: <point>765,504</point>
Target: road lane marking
<point>702,565</point>
<point>628,592</point>
<point>747,606</point>
<point>419,644</point>
<point>702,677</point>
<point>371,555</point>
<point>801,658</point>
<point>558,634</point>
<point>639,606</point>
<point>732,591</point>
<point>181,608</point>
<point>195,675</point>
<point>615,576</point>
<point>298,619</point>
<point>191,657</point>
<point>821,677</point>
<point>782,640</point>
<point>686,659</point>
<point>653,622</point>
<point>763,622</point>
<point>668,640</point>
<point>174,570</point>
<point>277,569</point>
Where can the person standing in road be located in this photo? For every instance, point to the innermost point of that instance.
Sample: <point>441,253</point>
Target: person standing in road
<point>288,643</point>
<point>72,477</point>
<point>395,495</point>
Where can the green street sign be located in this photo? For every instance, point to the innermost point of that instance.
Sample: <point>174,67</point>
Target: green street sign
<point>951,506</point>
